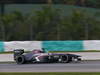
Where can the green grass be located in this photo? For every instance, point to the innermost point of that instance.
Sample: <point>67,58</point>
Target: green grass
<point>53,73</point>
<point>10,52</point>
<point>76,51</point>
<point>6,52</point>
<point>54,51</point>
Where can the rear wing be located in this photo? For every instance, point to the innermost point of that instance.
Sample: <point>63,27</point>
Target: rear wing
<point>18,52</point>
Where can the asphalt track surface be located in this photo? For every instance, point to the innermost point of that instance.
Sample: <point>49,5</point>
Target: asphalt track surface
<point>84,66</point>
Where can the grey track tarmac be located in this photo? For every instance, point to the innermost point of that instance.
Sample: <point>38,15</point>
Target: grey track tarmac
<point>84,66</point>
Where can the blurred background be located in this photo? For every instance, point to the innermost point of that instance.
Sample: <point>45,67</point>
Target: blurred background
<point>31,20</point>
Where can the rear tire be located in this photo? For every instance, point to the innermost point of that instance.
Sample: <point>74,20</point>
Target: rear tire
<point>20,59</point>
<point>65,59</point>
<point>79,59</point>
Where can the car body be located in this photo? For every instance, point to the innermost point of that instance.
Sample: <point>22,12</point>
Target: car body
<point>39,56</point>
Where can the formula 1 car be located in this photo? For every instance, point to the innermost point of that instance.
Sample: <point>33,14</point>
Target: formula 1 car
<point>39,56</point>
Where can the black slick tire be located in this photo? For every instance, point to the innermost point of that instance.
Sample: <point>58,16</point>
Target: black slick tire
<point>20,59</point>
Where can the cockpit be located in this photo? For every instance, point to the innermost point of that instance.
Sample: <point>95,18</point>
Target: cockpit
<point>37,51</point>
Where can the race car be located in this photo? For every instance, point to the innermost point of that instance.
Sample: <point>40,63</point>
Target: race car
<point>40,56</point>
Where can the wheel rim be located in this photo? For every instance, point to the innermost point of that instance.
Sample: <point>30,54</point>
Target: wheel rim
<point>20,59</point>
<point>64,59</point>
